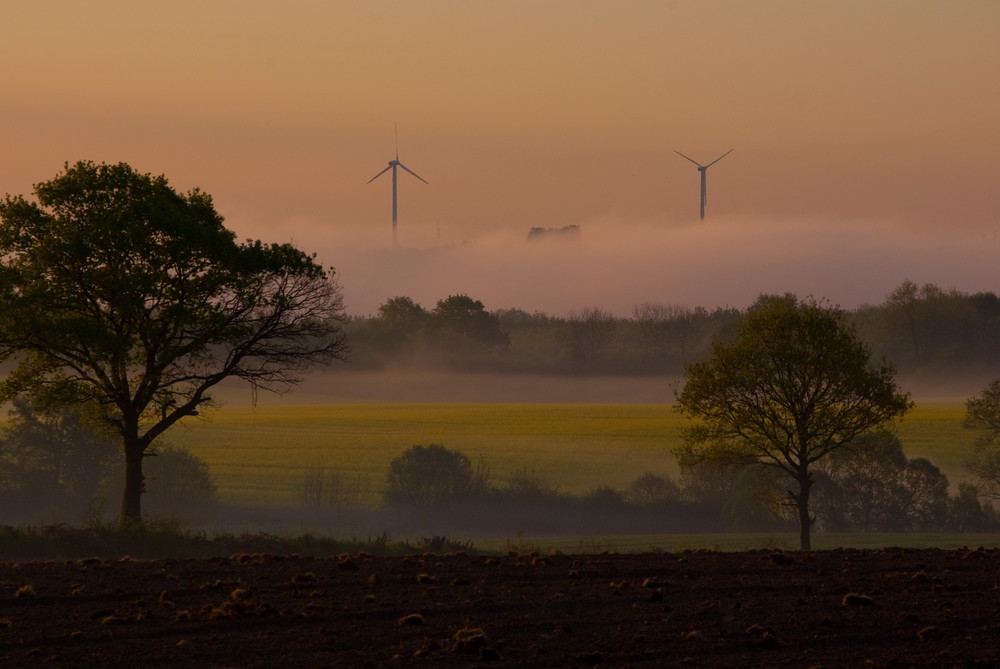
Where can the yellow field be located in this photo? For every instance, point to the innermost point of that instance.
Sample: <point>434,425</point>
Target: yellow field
<point>259,454</point>
<point>934,431</point>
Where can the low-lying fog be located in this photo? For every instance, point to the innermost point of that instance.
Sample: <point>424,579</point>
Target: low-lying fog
<point>615,265</point>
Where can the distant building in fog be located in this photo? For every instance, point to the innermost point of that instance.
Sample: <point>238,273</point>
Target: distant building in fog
<point>567,232</point>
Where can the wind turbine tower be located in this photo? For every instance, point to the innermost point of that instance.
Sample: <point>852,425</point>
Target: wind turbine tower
<point>393,164</point>
<point>703,169</point>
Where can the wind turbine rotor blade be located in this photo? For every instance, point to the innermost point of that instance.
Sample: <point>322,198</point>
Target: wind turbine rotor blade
<point>720,157</point>
<point>691,159</point>
<point>381,173</point>
<point>412,172</point>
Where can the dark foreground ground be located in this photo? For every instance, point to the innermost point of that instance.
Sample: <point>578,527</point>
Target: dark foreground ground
<point>843,608</point>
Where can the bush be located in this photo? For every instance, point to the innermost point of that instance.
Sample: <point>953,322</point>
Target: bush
<point>432,475</point>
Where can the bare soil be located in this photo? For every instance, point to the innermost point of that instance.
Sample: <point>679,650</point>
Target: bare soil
<point>841,608</point>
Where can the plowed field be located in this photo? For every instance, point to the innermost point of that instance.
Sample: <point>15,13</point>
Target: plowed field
<point>840,608</point>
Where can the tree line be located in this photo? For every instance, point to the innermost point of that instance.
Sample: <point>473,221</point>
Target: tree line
<point>874,489</point>
<point>792,417</point>
<point>922,329</point>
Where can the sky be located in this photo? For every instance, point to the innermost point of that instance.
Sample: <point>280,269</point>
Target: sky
<point>866,147</point>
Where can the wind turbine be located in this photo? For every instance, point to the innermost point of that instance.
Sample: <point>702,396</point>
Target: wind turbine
<point>703,169</point>
<point>393,164</point>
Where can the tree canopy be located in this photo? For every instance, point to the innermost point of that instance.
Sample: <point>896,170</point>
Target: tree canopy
<point>121,293</point>
<point>794,385</point>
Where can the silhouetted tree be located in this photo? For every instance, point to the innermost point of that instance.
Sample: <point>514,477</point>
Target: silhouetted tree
<point>432,474</point>
<point>873,487</point>
<point>118,291</point>
<point>795,385</point>
<point>461,324</point>
<point>982,413</point>
<point>401,320</point>
<point>968,513</point>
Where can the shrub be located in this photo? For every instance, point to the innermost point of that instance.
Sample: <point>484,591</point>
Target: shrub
<point>431,475</point>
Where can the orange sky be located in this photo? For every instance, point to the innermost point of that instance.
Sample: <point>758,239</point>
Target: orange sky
<point>845,116</point>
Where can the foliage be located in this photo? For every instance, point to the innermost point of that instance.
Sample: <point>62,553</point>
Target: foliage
<point>51,460</point>
<point>652,490</point>
<point>873,487</point>
<point>731,496</point>
<point>592,332</point>
<point>461,324</point>
<point>432,475</point>
<point>968,513</point>
<point>181,485</point>
<point>401,322</point>
<point>924,329</point>
<point>526,486</point>
<point>119,291</point>
<point>983,414</point>
<point>795,385</point>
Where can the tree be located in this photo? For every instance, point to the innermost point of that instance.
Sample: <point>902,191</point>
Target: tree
<point>432,474</point>
<point>183,486</point>
<point>51,459</point>
<point>461,323</point>
<point>651,489</point>
<point>873,487</point>
<point>118,291</point>
<point>982,413</point>
<point>591,331</point>
<point>793,386</point>
<point>401,319</point>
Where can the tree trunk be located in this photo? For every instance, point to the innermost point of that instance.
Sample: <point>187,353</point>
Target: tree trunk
<point>131,513</point>
<point>805,520</point>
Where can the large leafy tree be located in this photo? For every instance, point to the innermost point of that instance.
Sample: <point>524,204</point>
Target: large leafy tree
<point>794,385</point>
<point>122,294</point>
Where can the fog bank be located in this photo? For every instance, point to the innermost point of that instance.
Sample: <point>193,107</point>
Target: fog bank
<point>615,265</point>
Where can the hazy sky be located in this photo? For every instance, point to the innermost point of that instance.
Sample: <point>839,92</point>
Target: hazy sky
<point>867,147</point>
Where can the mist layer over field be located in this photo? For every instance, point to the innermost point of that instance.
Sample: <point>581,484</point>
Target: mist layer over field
<point>614,265</point>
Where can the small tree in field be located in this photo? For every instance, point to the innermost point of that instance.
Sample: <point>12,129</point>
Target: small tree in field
<point>432,474</point>
<point>795,385</point>
<point>119,293</point>
<point>982,413</point>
